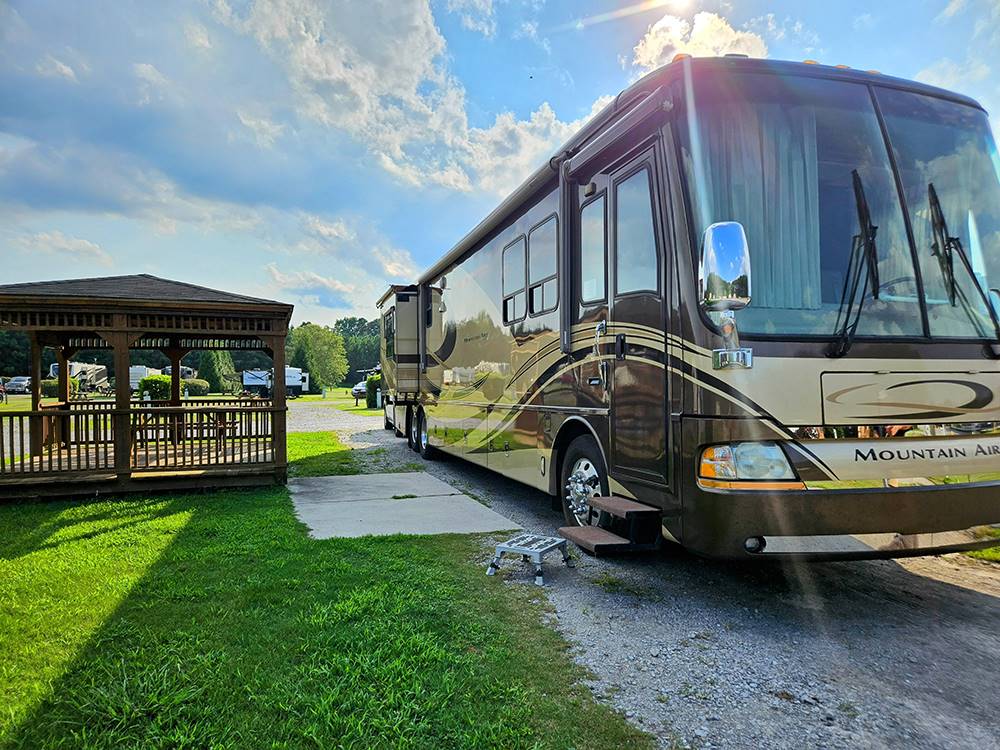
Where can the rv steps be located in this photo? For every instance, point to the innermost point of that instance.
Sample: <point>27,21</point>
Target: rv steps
<point>621,507</point>
<point>640,522</point>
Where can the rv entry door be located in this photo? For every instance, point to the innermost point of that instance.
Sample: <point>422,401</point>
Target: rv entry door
<point>638,376</point>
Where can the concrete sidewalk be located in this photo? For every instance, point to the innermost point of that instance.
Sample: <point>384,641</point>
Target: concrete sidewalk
<point>383,504</point>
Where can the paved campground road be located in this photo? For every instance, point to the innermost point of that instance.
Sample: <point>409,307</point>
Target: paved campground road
<point>703,654</point>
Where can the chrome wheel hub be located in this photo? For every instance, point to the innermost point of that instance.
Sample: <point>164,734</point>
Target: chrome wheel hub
<point>583,483</point>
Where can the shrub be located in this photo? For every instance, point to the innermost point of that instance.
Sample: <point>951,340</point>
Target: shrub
<point>157,386</point>
<point>373,383</point>
<point>50,388</point>
<point>196,387</point>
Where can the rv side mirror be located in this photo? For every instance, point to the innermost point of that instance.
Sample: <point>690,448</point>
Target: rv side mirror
<point>724,269</point>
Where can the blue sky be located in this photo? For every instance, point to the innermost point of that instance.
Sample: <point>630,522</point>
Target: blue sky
<point>312,151</point>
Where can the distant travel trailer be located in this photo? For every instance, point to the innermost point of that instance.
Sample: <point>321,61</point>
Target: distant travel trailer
<point>186,372</point>
<point>260,381</point>
<point>137,372</point>
<point>750,308</point>
<point>90,376</point>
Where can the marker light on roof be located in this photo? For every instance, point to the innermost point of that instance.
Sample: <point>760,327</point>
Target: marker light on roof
<point>810,62</point>
<point>680,56</point>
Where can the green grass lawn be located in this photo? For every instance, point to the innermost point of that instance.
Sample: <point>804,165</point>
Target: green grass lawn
<point>339,398</point>
<point>214,620</point>
<point>992,553</point>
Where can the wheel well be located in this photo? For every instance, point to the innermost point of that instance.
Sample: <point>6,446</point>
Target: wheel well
<point>570,431</point>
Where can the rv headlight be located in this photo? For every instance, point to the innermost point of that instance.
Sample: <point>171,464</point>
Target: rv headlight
<point>745,461</point>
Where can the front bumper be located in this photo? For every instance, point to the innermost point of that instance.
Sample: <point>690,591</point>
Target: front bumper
<point>841,524</point>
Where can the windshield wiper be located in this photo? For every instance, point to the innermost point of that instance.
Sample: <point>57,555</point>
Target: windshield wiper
<point>862,264</point>
<point>945,247</point>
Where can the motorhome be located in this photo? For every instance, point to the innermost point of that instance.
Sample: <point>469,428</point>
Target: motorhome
<point>750,308</point>
<point>260,381</point>
<point>90,376</point>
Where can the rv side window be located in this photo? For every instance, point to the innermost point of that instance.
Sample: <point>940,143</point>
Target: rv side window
<point>390,334</point>
<point>513,281</point>
<point>543,243</point>
<point>637,267</point>
<point>593,247</point>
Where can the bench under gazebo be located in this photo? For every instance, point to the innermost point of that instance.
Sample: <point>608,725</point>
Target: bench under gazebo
<point>125,444</point>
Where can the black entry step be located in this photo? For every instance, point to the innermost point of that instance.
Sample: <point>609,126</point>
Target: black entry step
<point>622,507</point>
<point>598,541</point>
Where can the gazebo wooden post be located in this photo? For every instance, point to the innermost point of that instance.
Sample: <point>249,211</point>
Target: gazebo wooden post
<point>36,438</point>
<point>63,393</point>
<point>123,397</point>
<point>175,354</point>
<point>279,429</point>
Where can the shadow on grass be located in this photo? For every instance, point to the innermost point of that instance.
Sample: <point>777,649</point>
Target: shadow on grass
<point>244,632</point>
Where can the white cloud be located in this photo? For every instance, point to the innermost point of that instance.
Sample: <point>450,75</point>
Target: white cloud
<point>475,15</point>
<point>948,74</point>
<point>787,29</point>
<point>306,279</point>
<point>377,72</point>
<point>57,243</point>
<point>396,264</point>
<point>264,131</point>
<point>864,22</point>
<point>529,30</point>
<point>952,9</point>
<point>327,230</point>
<point>152,83</point>
<point>197,36</point>
<point>709,35</point>
<point>50,67</point>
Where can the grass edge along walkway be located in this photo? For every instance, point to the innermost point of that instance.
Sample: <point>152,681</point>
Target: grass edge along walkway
<point>213,619</point>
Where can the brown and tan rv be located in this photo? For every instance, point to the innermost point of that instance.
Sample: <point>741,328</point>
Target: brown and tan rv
<point>750,308</point>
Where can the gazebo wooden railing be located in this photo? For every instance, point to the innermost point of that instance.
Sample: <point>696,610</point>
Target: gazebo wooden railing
<point>122,445</point>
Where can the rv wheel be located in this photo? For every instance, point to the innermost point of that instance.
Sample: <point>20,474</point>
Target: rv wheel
<point>583,476</point>
<point>424,448</point>
<point>411,429</point>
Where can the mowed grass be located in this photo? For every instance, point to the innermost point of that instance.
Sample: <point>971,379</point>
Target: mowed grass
<point>991,553</point>
<point>214,620</point>
<point>339,398</point>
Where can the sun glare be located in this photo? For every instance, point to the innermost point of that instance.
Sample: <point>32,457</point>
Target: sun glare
<point>677,6</point>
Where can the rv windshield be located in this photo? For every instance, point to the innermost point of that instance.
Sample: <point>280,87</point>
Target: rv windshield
<point>777,154</point>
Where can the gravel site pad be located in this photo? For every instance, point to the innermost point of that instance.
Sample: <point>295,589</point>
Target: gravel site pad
<point>709,654</point>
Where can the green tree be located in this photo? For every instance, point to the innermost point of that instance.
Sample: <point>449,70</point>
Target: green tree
<point>362,355</point>
<point>217,369</point>
<point>319,351</point>
<point>351,326</point>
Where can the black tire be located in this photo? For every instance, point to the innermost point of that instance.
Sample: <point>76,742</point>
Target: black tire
<point>411,428</point>
<point>424,448</point>
<point>582,449</point>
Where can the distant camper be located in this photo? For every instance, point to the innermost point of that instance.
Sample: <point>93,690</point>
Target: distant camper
<point>259,382</point>
<point>186,372</point>
<point>91,377</point>
<point>137,372</point>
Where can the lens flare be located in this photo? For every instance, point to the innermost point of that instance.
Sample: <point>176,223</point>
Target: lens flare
<point>678,6</point>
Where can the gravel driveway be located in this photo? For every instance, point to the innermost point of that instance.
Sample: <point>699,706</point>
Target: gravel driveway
<point>867,654</point>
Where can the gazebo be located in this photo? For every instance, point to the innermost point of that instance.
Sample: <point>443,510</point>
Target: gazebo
<point>87,446</point>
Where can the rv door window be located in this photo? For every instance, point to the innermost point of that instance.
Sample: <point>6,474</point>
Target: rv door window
<point>543,290</point>
<point>390,334</point>
<point>513,281</point>
<point>636,261</point>
<point>593,250</point>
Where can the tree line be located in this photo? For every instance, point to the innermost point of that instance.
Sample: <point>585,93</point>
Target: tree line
<point>333,356</point>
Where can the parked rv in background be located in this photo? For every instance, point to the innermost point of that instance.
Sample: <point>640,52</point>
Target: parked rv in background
<point>137,372</point>
<point>90,376</point>
<point>186,372</point>
<point>259,382</point>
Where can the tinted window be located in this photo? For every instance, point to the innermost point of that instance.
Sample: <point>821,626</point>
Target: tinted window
<point>513,281</point>
<point>636,266</point>
<point>542,264</point>
<point>778,154</point>
<point>593,242</point>
<point>950,146</point>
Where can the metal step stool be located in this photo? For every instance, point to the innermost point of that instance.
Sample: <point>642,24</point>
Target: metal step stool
<point>532,548</point>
